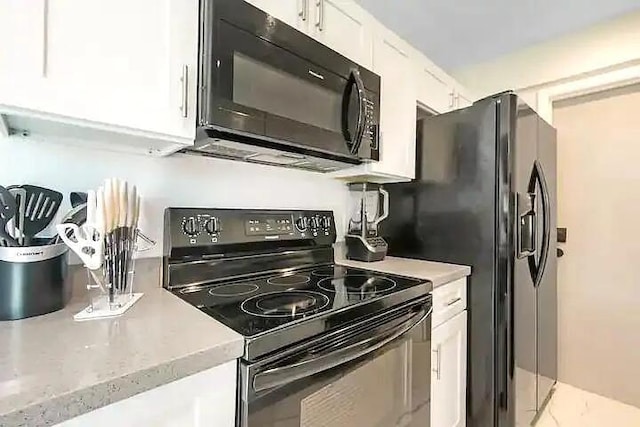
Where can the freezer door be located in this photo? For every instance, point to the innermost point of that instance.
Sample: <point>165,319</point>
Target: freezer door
<point>527,248</point>
<point>547,295</point>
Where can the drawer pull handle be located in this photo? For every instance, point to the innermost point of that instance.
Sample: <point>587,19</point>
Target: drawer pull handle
<point>453,301</point>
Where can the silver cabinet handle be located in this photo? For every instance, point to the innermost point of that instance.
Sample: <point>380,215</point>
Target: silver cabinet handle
<point>184,79</point>
<point>453,301</point>
<point>437,370</point>
<point>304,10</point>
<point>452,98</point>
<point>320,7</point>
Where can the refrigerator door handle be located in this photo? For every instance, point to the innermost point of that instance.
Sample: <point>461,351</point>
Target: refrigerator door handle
<point>537,268</point>
<point>546,224</point>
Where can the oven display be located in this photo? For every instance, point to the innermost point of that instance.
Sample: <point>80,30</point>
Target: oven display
<point>268,225</point>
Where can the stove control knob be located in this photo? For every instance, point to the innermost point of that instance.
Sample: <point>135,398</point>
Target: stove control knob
<point>326,222</point>
<point>190,227</point>
<point>315,222</point>
<point>212,225</point>
<point>301,224</point>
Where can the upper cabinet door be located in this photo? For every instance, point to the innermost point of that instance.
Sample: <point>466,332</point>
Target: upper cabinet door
<point>295,13</point>
<point>343,26</point>
<point>117,62</point>
<point>462,102</point>
<point>22,54</point>
<point>397,107</point>
<point>433,92</point>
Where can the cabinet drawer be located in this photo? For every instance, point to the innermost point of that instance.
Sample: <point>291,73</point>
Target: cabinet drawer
<point>449,300</point>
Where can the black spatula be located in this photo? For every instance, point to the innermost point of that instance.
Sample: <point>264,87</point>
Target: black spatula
<point>41,207</point>
<point>7,212</point>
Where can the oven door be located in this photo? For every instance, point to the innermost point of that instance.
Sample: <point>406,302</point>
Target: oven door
<point>257,83</point>
<point>375,373</point>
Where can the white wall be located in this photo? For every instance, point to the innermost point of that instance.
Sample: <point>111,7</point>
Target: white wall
<point>598,278</point>
<point>607,45</point>
<point>172,181</point>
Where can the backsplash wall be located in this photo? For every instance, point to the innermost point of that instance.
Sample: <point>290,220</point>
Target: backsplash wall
<point>178,180</point>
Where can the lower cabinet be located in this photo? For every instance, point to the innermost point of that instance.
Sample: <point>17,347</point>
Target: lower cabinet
<point>449,372</point>
<point>207,398</point>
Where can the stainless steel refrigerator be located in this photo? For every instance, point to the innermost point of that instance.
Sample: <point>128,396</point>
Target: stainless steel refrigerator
<point>485,196</point>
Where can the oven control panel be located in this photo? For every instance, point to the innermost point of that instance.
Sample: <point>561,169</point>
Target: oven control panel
<point>199,227</point>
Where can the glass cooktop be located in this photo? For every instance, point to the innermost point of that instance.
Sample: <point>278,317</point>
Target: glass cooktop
<point>253,307</point>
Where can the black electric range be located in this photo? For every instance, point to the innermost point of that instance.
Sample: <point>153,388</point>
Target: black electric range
<point>269,276</point>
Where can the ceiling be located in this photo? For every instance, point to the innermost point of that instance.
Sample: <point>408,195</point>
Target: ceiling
<point>458,33</point>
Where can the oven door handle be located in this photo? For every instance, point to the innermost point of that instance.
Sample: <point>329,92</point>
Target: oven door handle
<point>280,376</point>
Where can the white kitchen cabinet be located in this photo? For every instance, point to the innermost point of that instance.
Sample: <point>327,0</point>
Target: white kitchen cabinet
<point>433,92</point>
<point>448,301</point>
<point>121,64</point>
<point>328,21</point>
<point>295,13</point>
<point>345,27</point>
<point>397,108</point>
<point>392,61</point>
<point>449,372</point>
<point>204,399</point>
<point>462,101</point>
<point>22,38</point>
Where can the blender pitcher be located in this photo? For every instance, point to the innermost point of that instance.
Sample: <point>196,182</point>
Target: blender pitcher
<point>369,207</point>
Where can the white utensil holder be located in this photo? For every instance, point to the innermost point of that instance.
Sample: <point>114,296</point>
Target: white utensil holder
<point>111,287</point>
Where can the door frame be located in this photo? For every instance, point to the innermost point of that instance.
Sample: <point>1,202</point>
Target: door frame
<point>583,84</point>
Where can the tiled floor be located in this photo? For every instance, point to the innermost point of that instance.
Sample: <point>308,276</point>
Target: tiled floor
<point>572,407</point>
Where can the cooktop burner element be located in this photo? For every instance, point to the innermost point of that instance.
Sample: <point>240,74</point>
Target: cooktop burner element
<point>329,271</point>
<point>285,304</point>
<point>233,289</point>
<point>357,284</point>
<point>289,280</point>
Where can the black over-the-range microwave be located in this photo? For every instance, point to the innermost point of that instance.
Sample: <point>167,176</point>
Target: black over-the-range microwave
<point>269,93</point>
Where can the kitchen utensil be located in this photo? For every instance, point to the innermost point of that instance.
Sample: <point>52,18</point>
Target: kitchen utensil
<point>33,281</point>
<point>87,241</point>
<point>42,205</point>
<point>77,215</point>
<point>17,225</point>
<point>77,198</point>
<point>122,237</point>
<point>7,212</point>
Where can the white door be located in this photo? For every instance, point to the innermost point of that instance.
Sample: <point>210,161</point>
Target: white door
<point>397,108</point>
<point>449,373</point>
<point>344,27</point>
<point>117,62</point>
<point>462,102</point>
<point>295,13</point>
<point>22,54</point>
<point>433,92</point>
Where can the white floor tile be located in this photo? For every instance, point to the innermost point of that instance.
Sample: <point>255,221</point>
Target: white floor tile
<point>572,407</point>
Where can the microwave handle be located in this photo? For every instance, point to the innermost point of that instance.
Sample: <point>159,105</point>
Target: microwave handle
<point>278,377</point>
<point>354,80</point>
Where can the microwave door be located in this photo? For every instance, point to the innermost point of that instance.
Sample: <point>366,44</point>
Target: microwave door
<point>354,112</point>
<point>258,86</point>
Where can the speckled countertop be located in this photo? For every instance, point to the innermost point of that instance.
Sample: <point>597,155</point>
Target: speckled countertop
<point>52,368</point>
<point>438,273</point>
